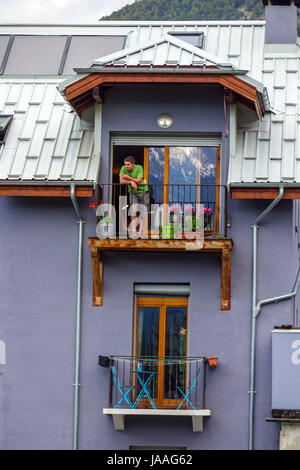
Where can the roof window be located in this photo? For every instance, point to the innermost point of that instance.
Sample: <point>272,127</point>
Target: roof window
<point>192,37</point>
<point>5,121</point>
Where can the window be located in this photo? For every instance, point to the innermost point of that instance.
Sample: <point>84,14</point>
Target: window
<point>183,168</point>
<point>193,38</point>
<point>177,176</point>
<point>160,340</point>
<point>5,121</point>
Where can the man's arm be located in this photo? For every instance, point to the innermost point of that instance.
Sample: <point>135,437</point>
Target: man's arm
<point>126,179</point>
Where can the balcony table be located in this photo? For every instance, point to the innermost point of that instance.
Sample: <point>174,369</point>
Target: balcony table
<point>144,384</point>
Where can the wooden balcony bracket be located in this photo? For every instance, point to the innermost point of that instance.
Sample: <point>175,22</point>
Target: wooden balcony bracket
<point>98,246</point>
<point>97,267</point>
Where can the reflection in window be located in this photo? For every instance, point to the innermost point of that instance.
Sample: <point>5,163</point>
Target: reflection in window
<point>191,167</point>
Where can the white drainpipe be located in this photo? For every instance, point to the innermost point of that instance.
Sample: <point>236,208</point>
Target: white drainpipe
<point>76,384</point>
<point>256,307</point>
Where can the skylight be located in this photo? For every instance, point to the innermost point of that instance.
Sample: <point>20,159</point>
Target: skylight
<point>4,126</point>
<point>192,37</point>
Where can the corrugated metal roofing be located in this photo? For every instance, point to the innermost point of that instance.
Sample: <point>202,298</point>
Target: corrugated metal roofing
<point>46,141</point>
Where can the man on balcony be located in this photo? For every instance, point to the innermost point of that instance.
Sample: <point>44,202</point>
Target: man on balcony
<point>133,175</point>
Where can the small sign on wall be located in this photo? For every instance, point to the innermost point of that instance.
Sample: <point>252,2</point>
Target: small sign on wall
<point>2,353</point>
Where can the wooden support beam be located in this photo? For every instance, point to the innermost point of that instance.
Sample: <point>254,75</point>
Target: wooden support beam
<point>98,95</point>
<point>98,246</point>
<point>44,190</point>
<point>226,279</point>
<point>97,267</point>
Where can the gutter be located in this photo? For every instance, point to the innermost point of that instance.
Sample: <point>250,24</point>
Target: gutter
<point>256,308</point>
<point>76,384</point>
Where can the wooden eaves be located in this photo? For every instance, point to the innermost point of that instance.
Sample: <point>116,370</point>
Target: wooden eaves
<point>99,246</point>
<point>83,93</point>
<point>38,190</point>
<point>242,192</point>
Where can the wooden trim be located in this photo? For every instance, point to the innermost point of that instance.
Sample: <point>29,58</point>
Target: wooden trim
<point>128,244</point>
<point>223,246</point>
<point>225,279</point>
<point>97,267</point>
<point>95,79</point>
<point>263,193</point>
<point>45,190</point>
<point>162,303</point>
<point>233,83</point>
<point>159,301</point>
<point>146,164</point>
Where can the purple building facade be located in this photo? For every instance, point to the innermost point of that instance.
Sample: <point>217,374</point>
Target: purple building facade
<point>156,312</point>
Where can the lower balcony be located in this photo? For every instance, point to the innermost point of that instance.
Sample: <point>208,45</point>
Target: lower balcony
<point>157,386</point>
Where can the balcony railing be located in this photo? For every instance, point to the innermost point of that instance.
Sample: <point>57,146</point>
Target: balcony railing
<point>159,383</point>
<point>174,210</point>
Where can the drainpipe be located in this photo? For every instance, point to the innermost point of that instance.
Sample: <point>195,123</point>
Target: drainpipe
<point>256,307</point>
<point>76,384</point>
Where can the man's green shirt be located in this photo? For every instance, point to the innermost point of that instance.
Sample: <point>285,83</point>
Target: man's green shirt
<point>136,172</point>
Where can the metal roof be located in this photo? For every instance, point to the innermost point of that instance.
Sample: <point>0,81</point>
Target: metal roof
<point>46,141</point>
<point>164,50</point>
<point>268,151</point>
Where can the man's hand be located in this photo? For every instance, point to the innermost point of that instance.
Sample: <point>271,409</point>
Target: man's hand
<point>126,177</point>
<point>134,185</point>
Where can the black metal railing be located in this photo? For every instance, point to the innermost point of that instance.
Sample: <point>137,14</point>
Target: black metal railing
<point>173,208</point>
<point>156,382</point>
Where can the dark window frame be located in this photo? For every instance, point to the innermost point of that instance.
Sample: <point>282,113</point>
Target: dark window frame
<point>200,35</point>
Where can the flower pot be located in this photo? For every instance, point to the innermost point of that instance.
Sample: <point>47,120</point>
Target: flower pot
<point>167,231</point>
<point>212,361</point>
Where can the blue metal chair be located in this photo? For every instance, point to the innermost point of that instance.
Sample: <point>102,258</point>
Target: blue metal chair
<point>190,389</point>
<point>121,389</point>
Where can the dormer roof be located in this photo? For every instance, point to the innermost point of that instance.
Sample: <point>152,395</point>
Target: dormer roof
<point>165,59</point>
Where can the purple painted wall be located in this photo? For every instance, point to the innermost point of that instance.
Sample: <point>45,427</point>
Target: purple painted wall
<point>38,286</point>
<point>38,260</point>
<point>137,109</point>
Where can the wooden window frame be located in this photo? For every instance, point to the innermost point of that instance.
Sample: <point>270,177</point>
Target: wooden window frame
<point>166,179</point>
<point>162,303</point>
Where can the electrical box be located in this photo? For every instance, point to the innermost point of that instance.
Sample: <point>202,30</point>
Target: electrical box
<point>285,370</point>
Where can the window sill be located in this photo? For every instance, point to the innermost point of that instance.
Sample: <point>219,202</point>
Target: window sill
<point>119,415</point>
